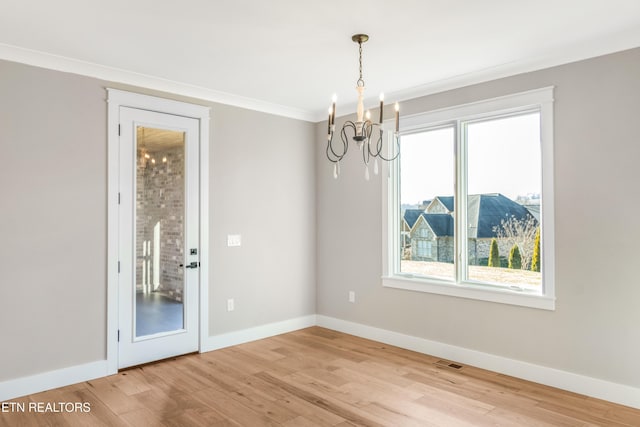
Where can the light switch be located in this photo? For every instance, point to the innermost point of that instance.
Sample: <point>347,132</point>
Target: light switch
<point>234,240</point>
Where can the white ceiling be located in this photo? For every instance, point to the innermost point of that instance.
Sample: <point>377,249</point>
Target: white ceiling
<point>289,56</point>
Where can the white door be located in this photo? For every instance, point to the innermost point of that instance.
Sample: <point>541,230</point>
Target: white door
<point>158,236</point>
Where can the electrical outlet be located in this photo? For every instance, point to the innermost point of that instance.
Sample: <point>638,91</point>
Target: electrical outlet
<point>230,304</point>
<point>234,240</point>
<point>352,296</point>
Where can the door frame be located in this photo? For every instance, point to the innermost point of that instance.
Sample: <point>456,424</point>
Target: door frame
<point>118,98</point>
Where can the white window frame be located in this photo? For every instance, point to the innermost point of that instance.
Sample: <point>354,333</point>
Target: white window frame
<point>540,99</point>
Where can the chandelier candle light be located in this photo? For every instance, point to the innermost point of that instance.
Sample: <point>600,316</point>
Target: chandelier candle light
<point>362,129</point>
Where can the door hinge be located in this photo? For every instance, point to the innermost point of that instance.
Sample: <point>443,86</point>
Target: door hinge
<point>118,129</point>
<point>118,198</point>
<point>118,335</point>
<point>118,266</point>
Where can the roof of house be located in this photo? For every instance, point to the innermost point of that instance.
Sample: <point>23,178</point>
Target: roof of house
<point>441,224</point>
<point>447,201</point>
<point>485,212</point>
<point>411,216</point>
<point>534,210</point>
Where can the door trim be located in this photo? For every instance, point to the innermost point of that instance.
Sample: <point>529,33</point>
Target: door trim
<point>117,98</point>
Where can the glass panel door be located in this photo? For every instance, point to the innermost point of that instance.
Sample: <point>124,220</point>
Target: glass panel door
<point>159,235</point>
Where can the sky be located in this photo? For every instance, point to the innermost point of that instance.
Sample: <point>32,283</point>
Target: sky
<point>504,157</point>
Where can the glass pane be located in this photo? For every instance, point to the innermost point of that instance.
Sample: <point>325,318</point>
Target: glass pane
<point>427,175</point>
<point>159,236</point>
<point>503,200</point>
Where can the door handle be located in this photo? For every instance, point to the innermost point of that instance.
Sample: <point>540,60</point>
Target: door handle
<point>193,264</point>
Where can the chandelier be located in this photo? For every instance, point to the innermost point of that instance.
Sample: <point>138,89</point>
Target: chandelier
<point>367,134</point>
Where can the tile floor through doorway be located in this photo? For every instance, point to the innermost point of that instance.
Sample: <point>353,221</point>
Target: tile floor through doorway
<point>156,313</point>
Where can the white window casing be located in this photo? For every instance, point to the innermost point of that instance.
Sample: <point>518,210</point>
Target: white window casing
<point>540,100</point>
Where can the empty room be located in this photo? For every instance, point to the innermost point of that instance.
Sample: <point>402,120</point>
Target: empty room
<point>248,213</point>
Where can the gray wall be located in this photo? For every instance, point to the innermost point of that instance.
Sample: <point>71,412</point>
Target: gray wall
<point>263,187</point>
<point>594,330</point>
<point>53,220</point>
<point>53,227</point>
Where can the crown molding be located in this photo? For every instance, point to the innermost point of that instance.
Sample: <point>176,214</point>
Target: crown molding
<point>102,72</point>
<point>618,42</point>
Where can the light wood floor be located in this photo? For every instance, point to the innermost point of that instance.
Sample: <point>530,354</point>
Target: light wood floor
<point>318,377</point>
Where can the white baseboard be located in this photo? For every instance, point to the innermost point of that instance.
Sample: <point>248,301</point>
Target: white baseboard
<point>18,387</point>
<point>612,392</point>
<point>257,333</point>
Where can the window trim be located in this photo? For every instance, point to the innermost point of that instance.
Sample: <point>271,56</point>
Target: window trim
<point>540,99</point>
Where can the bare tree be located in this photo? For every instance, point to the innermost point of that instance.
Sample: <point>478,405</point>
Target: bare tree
<point>520,232</point>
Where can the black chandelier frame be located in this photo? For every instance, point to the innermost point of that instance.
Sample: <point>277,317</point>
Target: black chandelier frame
<point>363,139</point>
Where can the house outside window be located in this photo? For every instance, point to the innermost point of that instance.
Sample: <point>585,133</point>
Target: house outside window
<point>469,204</point>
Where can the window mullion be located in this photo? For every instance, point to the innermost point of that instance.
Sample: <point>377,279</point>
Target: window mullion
<point>460,217</point>
<point>393,212</point>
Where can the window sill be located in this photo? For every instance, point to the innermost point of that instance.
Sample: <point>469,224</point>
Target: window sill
<point>476,292</point>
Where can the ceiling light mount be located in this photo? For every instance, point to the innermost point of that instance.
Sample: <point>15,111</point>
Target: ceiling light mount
<point>360,38</point>
<point>362,129</point>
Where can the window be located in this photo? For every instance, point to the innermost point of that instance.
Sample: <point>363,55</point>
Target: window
<point>470,203</point>
<point>423,249</point>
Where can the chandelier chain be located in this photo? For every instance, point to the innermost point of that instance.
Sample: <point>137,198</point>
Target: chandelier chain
<point>360,81</point>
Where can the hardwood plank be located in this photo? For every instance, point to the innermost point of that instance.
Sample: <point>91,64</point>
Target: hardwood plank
<point>100,414</point>
<point>300,421</point>
<point>263,348</point>
<point>319,387</point>
<point>575,413</point>
<point>440,398</point>
<point>328,376</point>
<point>143,417</point>
<point>326,402</point>
<point>392,416</point>
<point>245,362</point>
<point>232,409</point>
<point>330,349</point>
<point>369,381</point>
<point>200,417</point>
<point>158,402</point>
<point>618,413</point>
<point>231,381</point>
<point>311,412</point>
<point>111,396</point>
<point>131,382</point>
